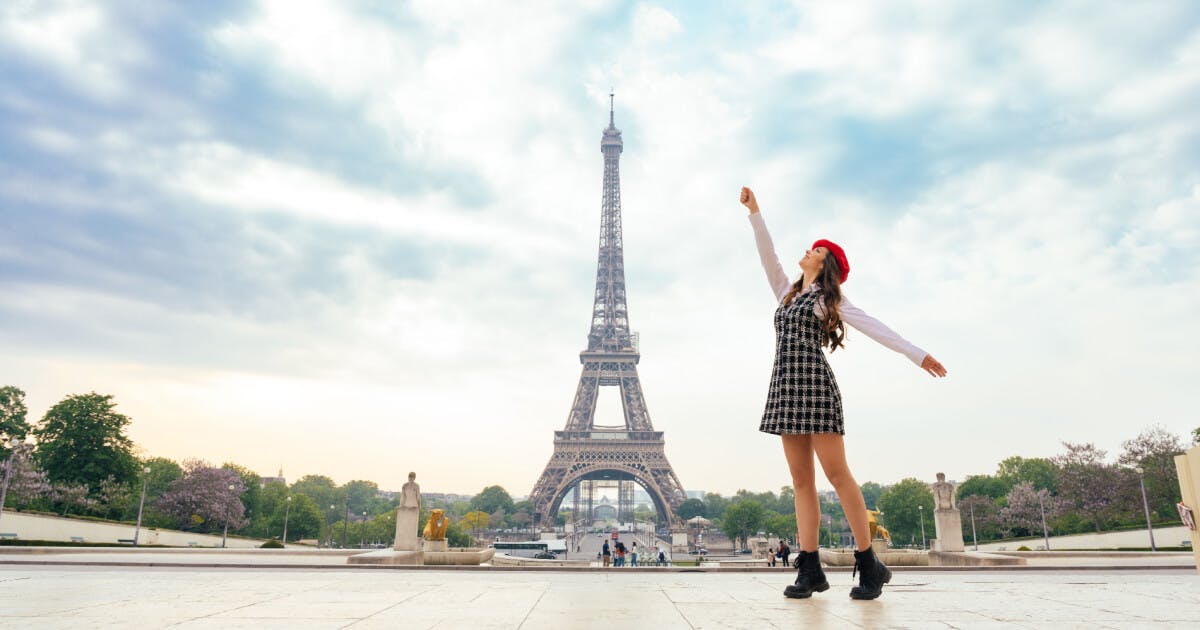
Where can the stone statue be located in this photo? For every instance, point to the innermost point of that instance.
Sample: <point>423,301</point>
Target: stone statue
<point>410,494</point>
<point>946,520</point>
<point>943,494</point>
<point>408,516</point>
<point>435,529</point>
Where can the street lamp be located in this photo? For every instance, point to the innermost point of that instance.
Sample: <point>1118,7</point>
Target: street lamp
<point>225,532</point>
<point>287,511</point>
<point>16,445</point>
<point>921,511</point>
<point>345,524</point>
<point>1045,530</point>
<point>141,503</point>
<point>1146,506</point>
<point>362,531</point>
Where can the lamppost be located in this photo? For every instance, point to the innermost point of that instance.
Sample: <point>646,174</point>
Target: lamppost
<point>829,529</point>
<point>16,445</point>
<point>345,524</point>
<point>1146,506</point>
<point>287,511</point>
<point>921,511</point>
<point>225,532</point>
<point>332,507</point>
<point>362,531</point>
<point>141,503</point>
<point>973,536</point>
<point>1045,530</point>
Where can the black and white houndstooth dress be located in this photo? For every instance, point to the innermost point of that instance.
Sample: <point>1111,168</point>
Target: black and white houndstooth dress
<point>804,396</point>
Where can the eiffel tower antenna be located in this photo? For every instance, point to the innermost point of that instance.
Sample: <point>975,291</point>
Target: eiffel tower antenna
<point>586,456</point>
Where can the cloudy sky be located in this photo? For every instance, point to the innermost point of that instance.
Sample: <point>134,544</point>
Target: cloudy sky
<point>359,238</point>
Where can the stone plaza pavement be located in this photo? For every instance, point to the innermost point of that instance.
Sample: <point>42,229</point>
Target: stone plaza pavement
<point>65,596</point>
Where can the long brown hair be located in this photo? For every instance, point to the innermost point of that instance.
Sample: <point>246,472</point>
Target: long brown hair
<point>829,279</point>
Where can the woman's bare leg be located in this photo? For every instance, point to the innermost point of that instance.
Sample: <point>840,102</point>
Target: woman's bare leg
<point>799,452</point>
<point>831,450</point>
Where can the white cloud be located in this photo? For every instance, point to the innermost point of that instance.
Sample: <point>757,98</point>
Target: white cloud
<point>1034,270</point>
<point>78,42</point>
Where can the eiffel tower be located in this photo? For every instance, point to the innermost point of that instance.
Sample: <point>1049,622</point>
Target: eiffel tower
<point>587,456</point>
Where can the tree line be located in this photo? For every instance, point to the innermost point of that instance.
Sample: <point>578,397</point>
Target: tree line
<point>1079,490</point>
<point>79,460</point>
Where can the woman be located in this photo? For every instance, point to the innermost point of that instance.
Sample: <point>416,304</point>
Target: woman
<point>804,405</point>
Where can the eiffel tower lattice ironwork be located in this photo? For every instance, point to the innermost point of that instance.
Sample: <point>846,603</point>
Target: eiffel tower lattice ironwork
<point>586,455</point>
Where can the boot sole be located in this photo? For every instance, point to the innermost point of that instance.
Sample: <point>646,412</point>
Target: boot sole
<point>797,594</point>
<point>887,577</point>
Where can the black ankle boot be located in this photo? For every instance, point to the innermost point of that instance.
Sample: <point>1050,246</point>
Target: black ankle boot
<point>809,576</point>
<point>872,575</point>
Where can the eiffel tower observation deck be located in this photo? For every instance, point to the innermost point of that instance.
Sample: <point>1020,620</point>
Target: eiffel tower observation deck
<point>587,456</point>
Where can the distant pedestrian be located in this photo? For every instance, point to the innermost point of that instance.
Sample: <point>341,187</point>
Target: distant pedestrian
<point>804,404</point>
<point>633,554</point>
<point>606,553</point>
<point>619,554</point>
<point>784,552</point>
<point>662,557</point>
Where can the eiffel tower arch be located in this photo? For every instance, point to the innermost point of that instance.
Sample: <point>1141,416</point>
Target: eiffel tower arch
<point>584,453</point>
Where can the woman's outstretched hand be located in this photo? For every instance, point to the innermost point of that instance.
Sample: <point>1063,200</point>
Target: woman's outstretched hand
<point>749,201</point>
<point>931,365</point>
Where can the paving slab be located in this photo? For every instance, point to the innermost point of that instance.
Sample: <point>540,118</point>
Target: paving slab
<point>292,598</point>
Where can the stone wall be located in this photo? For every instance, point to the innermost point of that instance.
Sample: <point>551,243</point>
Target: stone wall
<point>1163,537</point>
<point>41,527</point>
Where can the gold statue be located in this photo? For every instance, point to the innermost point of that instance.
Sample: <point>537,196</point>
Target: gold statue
<point>435,529</point>
<point>877,530</point>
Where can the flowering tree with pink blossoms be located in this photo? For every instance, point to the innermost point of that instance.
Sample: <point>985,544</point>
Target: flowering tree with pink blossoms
<point>202,499</point>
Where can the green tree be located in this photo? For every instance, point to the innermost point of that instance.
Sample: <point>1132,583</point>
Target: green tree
<point>900,505</point>
<point>781,525</point>
<point>271,501</point>
<point>323,492</point>
<point>984,486</point>
<point>871,492</point>
<point>251,497</point>
<point>491,499</point>
<point>455,535</point>
<point>13,424</point>
<point>304,519</point>
<point>787,500</point>
<point>1039,472</point>
<point>714,505</point>
<point>163,471</point>
<point>986,515</point>
<point>742,519</point>
<point>359,495</point>
<point>690,508</point>
<point>81,440</point>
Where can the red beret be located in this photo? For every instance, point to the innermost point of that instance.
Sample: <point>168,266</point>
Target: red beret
<point>838,253</point>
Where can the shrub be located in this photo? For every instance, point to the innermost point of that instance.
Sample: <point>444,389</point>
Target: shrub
<point>1023,548</point>
<point>271,544</point>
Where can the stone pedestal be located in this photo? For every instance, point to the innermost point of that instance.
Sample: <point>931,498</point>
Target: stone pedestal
<point>1187,467</point>
<point>406,529</point>
<point>948,524</point>
<point>436,545</point>
<point>879,546</point>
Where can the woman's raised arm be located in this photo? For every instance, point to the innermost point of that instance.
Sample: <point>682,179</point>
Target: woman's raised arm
<point>776,276</point>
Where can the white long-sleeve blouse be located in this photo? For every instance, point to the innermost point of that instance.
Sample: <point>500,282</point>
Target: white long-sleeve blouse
<point>851,314</point>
